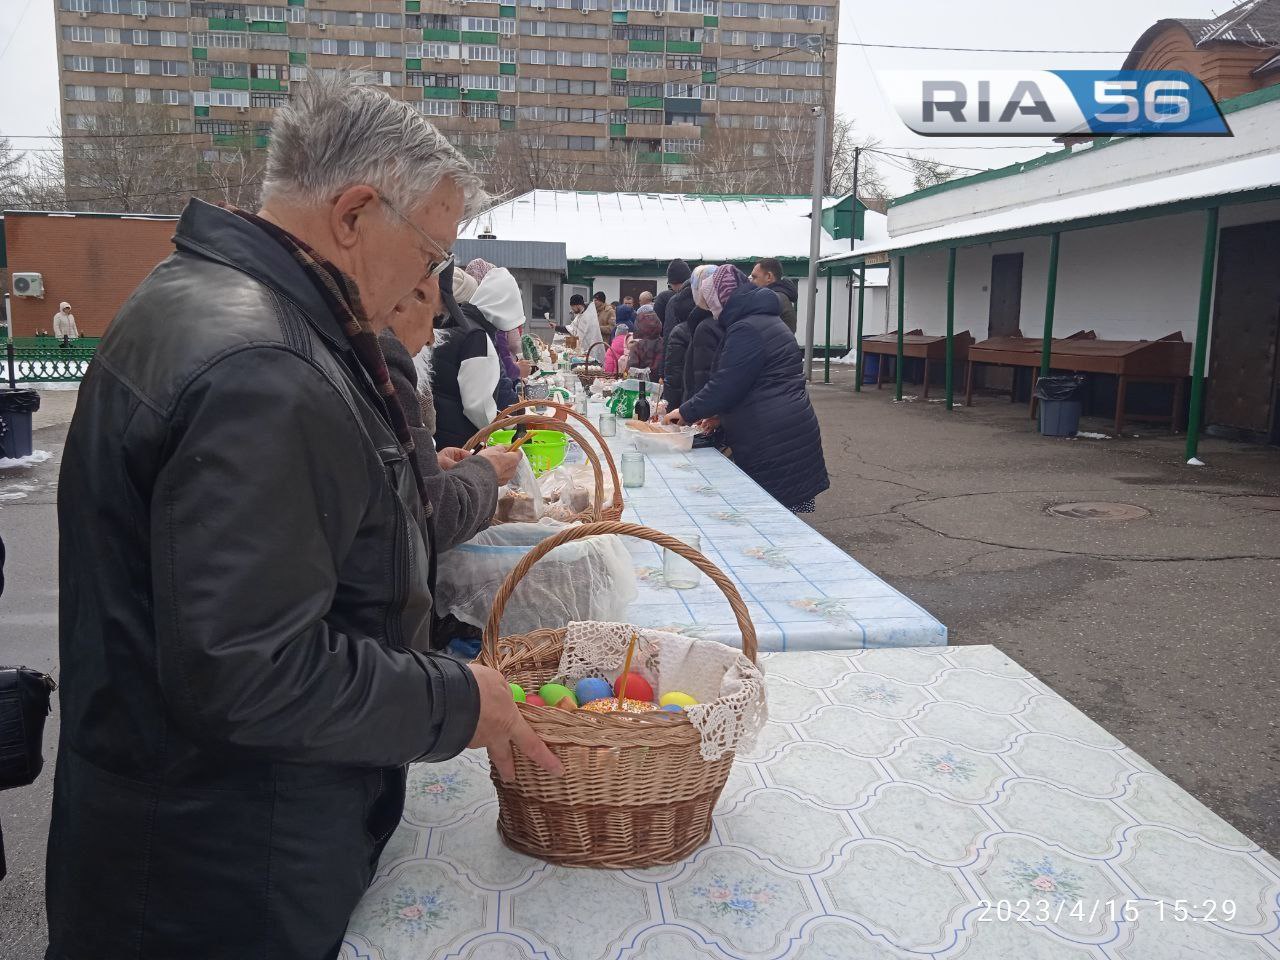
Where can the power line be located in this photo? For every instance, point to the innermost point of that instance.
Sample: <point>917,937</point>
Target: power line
<point>22,16</point>
<point>908,46</point>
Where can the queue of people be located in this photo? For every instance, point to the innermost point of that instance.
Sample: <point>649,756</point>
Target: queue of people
<point>263,472</point>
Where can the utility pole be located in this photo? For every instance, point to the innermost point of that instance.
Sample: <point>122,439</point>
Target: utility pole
<point>815,234</point>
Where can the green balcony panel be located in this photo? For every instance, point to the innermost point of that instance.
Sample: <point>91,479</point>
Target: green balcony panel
<point>471,36</point>
<point>267,83</point>
<point>202,111</point>
<point>506,124</point>
<point>507,69</point>
<point>674,158</point>
<point>620,17</point>
<point>413,6</point>
<point>645,103</point>
<point>413,63</point>
<point>683,46</point>
<point>617,129</point>
<point>617,73</point>
<point>298,58</point>
<point>682,105</point>
<point>229,83</point>
<point>448,36</point>
<point>645,46</point>
<point>709,76</point>
<point>261,141</point>
<point>228,139</point>
<point>268,26</point>
<point>507,13</point>
<point>649,157</point>
<point>711,21</point>
<point>297,3</point>
<point>218,23</point>
<point>199,53</point>
<point>491,95</point>
<point>440,93</point>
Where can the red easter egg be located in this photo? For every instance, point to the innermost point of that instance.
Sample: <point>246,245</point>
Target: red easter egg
<point>637,687</point>
<point>534,700</point>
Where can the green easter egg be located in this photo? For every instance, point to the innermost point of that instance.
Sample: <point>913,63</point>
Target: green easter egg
<point>553,693</point>
<point>517,692</point>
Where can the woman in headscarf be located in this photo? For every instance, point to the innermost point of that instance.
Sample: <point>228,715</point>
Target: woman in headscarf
<point>645,350</point>
<point>511,374</point>
<point>757,391</point>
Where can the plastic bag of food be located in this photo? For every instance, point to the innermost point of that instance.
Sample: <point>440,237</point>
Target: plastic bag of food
<point>521,499</point>
<point>591,579</point>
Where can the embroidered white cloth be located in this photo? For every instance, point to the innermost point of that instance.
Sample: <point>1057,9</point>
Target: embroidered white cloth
<point>729,688</point>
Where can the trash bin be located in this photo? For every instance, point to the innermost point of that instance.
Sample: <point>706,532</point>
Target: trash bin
<point>870,367</point>
<point>1060,405</point>
<point>16,408</point>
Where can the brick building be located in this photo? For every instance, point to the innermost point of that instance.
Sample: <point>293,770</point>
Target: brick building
<point>91,260</point>
<point>586,92</point>
<point>1232,54</point>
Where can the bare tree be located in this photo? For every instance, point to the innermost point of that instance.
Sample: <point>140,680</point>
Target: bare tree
<point>30,182</point>
<point>847,147</point>
<point>234,178</point>
<point>725,164</point>
<point>929,173</point>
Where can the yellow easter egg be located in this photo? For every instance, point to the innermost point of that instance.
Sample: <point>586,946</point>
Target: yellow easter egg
<point>677,699</point>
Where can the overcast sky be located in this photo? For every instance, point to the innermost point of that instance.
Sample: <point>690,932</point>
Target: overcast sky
<point>29,78</point>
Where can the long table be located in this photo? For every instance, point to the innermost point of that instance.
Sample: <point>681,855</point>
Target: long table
<point>1167,360</point>
<point>912,803</point>
<point>803,592</point>
<point>916,345</point>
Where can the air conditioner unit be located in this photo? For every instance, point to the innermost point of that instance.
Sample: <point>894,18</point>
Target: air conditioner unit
<point>242,109</point>
<point>464,60</point>
<point>463,91</point>
<point>28,285</point>
<point>84,14</point>
<point>757,47</point>
<point>657,13</point>
<point>439,59</point>
<point>324,26</point>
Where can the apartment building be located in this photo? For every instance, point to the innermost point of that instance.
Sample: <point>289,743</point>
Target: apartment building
<point>565,91</point>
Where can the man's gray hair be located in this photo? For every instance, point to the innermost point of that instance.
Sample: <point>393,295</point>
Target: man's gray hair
<point>337,132</point>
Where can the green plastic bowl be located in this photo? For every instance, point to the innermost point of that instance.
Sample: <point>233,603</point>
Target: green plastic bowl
<point>545,449</point>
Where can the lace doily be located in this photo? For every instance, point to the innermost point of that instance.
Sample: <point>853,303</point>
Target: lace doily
<point>729,688</point>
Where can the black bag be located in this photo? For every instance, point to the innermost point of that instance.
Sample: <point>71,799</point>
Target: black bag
<point>24,705</point>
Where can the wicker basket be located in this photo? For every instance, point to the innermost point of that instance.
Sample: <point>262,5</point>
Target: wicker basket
<point>548,423</point>
<point>636,791</point>
<point>613,511</point>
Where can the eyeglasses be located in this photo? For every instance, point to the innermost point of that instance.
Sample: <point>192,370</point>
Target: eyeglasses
<point>446,260</point>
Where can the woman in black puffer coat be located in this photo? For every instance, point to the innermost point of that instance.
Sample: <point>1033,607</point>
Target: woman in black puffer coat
<point>757,391</point>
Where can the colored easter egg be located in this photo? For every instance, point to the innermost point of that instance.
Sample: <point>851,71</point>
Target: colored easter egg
<point>517,692</point>
<point>637,687</point>
<point>591,688</point>
<point>673,708</point>
<point>553,693</point>
<point>676,698</point>
<point>534,700</point>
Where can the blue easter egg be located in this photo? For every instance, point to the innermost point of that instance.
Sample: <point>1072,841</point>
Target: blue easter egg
<point>592,688</point>
<point>673,708</point>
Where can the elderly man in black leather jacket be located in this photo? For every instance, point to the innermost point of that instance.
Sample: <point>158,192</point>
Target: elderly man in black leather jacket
<point>245,562</point>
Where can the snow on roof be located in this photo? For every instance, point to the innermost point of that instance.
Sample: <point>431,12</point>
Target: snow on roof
<point>1220,180</point>
<point>661,226</point>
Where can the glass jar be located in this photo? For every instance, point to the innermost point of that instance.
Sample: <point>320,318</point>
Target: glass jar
<point>633,469</point>
<point>608,425</point>
<point>677,572</point>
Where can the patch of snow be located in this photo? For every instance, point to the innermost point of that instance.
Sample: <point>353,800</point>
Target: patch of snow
<point>1195,462</point>
<point>12,496</point>
<point>36,456</point>
<point>850,359</point>
<point>1092,436</point>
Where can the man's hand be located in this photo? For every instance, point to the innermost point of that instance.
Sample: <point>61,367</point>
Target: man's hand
<point>504,462</point>
<point>674,419</point>
<point>501,725</point>
<point>709,424</point>
<point>450,457</point>
<point>525,367</point>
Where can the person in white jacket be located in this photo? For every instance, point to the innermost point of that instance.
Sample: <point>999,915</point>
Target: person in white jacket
<point>586,324</point>
<point>64,322</point>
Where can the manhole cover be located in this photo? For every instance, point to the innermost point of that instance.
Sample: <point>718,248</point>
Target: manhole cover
<point>1258,503</point>
<point>1099,511</point>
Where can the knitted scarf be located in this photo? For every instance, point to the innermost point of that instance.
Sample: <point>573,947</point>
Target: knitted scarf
<point>343,298</point>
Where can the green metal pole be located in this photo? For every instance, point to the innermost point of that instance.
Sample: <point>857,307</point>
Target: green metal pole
<point>951,324</point>
<point>862,301</point>
<point>826,356</point>
<point>902,315</point>
<point>1196,412</point>
<point>1050,304</point>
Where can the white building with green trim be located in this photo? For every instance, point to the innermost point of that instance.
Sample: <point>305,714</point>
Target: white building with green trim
<point>1133,239</point>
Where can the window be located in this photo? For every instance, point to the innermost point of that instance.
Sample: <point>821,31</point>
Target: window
<point>537,56</point>
<point>762,123</point>
<point>112,65</point>
<point>382,49</point>
<point>445,51</point>
<point>172,97</point>
<point>80,34</point>
<point>142,95</point>
<point>508,55</point>
<point>84,64</point>
<point>507,28</point>
<point>264,13</point>
<point>115,94</point>
<point>481,53</point>
<point>169,68</point>
<point>355,48</point>
<point>268,99</point>
<point>759,149</point>
<point>413,50</point>
<point>79,93</point>
<point>141,38</point>
<point>229,98</point>
<point>269,71</point>
<point>437,108</point>
<point>110,35</point>
<point>533,85</point>
<point>297,74</point>
<point>297,14</point>
<point>139,8</point>
<point>142,67</point>
<point>382,20</point>
<point>108,6</point>
<point>327,46</point>
<point>81,6</point>
<point>168,38</point>
<point>787,93</point>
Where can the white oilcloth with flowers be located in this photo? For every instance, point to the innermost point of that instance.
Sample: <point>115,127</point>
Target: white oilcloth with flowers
<point>731,709</point>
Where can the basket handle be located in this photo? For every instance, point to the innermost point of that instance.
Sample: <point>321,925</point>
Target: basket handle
<point>546,423</point>
<point>666,541</point>
<point>563,412</point>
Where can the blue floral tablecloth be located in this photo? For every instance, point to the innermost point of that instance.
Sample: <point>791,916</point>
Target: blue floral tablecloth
<point>803,592</point>
<point>908,803</point>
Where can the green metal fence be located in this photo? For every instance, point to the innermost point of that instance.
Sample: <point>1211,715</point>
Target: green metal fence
<point>44,360</point>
